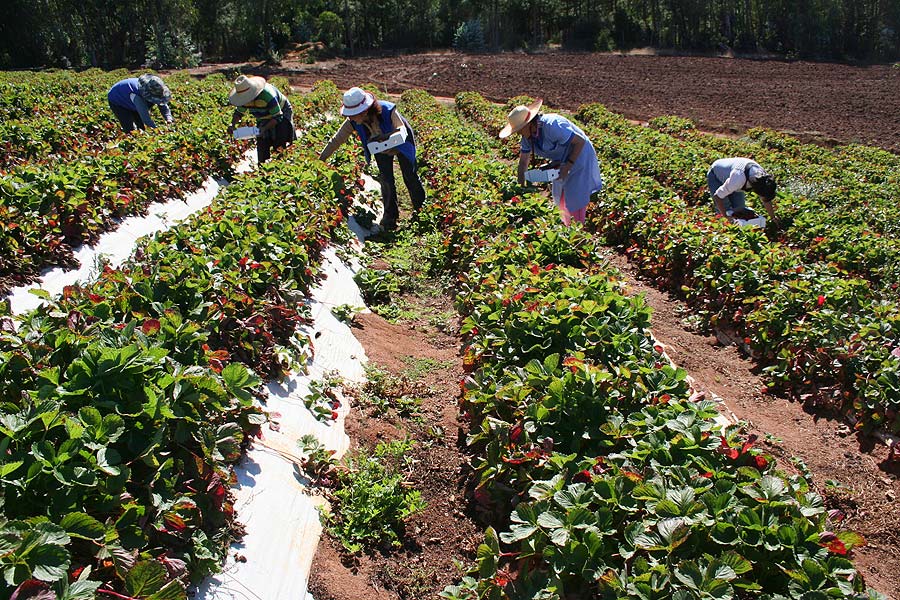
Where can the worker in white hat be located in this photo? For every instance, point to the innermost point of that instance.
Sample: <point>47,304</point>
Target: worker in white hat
<point>271,109</point>
<point>372,120</point>
<point>557,139</point>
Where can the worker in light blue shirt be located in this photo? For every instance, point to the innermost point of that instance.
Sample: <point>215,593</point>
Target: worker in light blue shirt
<point>131,99</point>
<point>729,178</point>
<point>557,139</point>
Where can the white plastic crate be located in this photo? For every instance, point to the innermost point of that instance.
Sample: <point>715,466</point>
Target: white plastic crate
<point>394,140</point>
<point>245,133</point>
<point>755,222</point>
<point>541,175</point>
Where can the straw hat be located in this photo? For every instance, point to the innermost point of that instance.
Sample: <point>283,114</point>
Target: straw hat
<point>519,117</point>
<point>246,89</point>
<point>153,90</point>
<point>356,100</point>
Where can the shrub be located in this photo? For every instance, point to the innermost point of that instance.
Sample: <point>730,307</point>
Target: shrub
<point>469,36</point>
<point>167,49</point>
<point>330,30</point>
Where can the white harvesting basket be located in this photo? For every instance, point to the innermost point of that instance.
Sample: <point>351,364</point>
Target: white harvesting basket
<point>755,222</point>
<point>395,139</point>
<point>245,133</point>
<point>541,175</point>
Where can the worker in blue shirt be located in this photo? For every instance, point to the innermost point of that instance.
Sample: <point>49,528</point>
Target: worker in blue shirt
<point>131,99</point>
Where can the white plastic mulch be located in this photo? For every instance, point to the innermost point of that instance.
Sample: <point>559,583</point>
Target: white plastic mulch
<point>115,246</point>
<point>281,517</point>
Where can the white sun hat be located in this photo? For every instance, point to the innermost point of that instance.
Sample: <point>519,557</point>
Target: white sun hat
<point>356,100</point>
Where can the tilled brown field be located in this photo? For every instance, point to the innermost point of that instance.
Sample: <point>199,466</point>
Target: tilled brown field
<point>821,102</point>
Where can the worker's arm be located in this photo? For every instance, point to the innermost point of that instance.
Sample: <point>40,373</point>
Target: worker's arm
<point>342,135</point>
<point>720,207</point>
<point>235,119</point>
<point>735,182</point>
<point>524,161</point>
<point>166,112</point>
<point>575,147</point>
<point>769,205</point>
<point>143,109</point>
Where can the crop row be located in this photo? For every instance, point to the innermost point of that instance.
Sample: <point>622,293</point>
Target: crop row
<point>129,398</point>
<point>605,476</point>
<point>826,213</point>
<point>49,207</point>
<point>841,212</point>
<point>818,330</point>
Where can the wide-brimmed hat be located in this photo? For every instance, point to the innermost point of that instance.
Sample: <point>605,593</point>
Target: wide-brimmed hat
<point>153,90</point>
<point>356,100</point>
<point>245,89</point>
<point>519,117</point>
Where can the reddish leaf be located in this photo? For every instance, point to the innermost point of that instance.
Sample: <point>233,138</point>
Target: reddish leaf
<point>175,522</point>
<point>836,547</point>
<point>32,589</point>
<point>150,326</point>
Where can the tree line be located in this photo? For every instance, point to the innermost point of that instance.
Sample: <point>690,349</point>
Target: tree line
<point>160,33</point>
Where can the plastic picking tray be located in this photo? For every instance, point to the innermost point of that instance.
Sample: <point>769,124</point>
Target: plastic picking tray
<point>755,222</point>
<point>394,140</point>
<point>245,133</point>
<point>541,175</point>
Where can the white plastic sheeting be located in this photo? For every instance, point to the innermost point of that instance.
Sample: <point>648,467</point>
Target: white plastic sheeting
<point>281,518</point>
<point>115,246</point>
<point>273,502</point>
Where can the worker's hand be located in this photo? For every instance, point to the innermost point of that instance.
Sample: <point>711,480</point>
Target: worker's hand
<point>231,130</point>
<point>564,170</point>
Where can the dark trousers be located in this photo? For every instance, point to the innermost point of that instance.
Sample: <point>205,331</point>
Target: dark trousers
<point>128,119</point>
<point>278,137</point>
<point>385,164</point>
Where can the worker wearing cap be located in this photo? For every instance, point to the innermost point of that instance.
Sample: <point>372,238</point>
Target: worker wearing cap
<point>131,99</point>
<point>271,109</point>
<point>557,139</point>
<point>729,178</point>
<point>373,120</point>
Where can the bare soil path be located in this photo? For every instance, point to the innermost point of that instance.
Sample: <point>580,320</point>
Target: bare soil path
<point>443,533</point>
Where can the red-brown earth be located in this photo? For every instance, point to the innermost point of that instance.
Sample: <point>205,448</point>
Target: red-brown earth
<point>822,102</point>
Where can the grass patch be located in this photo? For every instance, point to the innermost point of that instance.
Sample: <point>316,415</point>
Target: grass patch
<point>384,391</point>
<point>372,498</point>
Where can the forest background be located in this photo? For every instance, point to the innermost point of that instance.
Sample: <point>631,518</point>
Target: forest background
<point>181,33</point>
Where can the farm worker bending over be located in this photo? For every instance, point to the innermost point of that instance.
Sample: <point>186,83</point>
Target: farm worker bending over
<point>556,138</point>
<point>271,109</point>
<point>131,99</point>
<point>375,120</point>
<point>728,178</point>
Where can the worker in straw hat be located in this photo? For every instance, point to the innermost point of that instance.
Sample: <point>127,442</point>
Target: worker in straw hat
<point>373,120</point>
<point>557,139</point>
<point>271,109</point>
<point>131,99</point>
